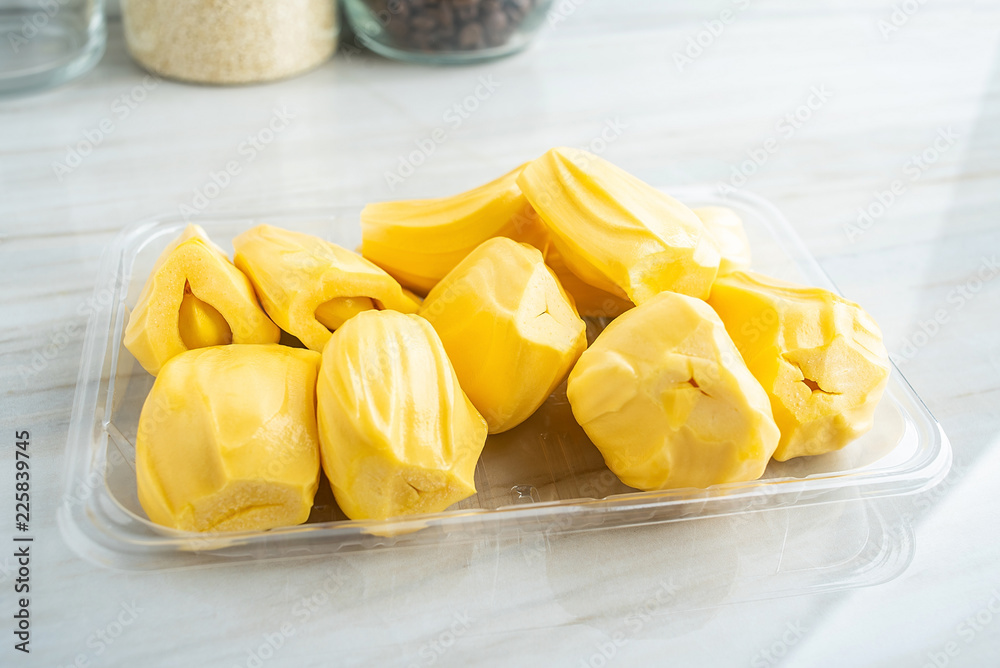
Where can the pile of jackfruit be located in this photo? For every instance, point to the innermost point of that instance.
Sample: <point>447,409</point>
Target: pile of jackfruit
<point>387,370</point>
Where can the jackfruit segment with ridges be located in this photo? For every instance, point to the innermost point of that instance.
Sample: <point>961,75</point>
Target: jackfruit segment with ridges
<point>666,398</point>
<point>419,241</point>
<point>194,297</point>
<point>227,439</point>
<point>589,301</point>
<point>398,435</point>
<point>296,274</point>
<point>616,232</point>
<point>510,330</point>
<point>819,356</point>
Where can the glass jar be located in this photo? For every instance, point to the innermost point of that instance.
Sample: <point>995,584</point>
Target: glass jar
<point>48,42</point>
<point>446,31</point>
<point>230,41</point>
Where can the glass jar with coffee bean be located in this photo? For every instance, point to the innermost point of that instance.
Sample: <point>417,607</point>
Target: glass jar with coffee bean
<point>446,31</point>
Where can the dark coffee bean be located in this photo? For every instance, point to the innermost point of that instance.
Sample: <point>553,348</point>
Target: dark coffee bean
<point>514,15</point>
<point>446,19</point>
<point>421,42</point>
<point>496,25</point>
<point>398,28</point>
<point>423,23</point>
<point>450,25</point>
<point>472,37</point>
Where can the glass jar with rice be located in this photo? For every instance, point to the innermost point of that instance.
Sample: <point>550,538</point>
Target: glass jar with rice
<point>230,41</point>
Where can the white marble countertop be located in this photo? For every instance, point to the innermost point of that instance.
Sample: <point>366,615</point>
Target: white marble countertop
<point>878,103</point>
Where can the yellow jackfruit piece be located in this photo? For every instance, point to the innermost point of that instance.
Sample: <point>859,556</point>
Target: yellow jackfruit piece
<point>616,232</point>
<point>726,227</point>
<point>310,286</point>
<point>819,356</point>
<point>336,312</point>
<point>192,231</point>
<point>417,299</point>
<point>397,434</point>
<point>510,330</point>
<point>227,439</point>
<point>419,241</point>
<point>201,324</point>
<point>666,398</point>
<point>589,301</point>
<point>194,297</point>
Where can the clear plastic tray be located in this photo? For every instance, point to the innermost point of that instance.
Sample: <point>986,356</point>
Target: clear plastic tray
<point>544,477</point>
